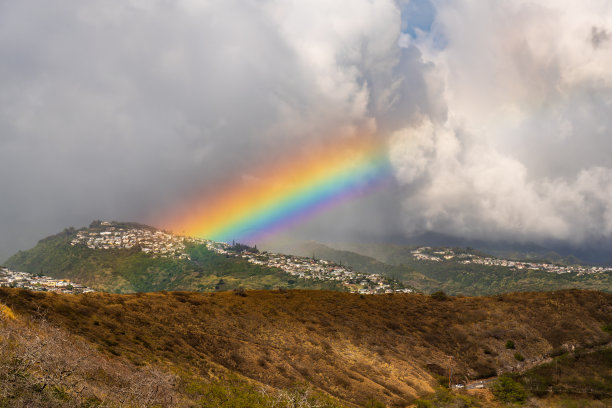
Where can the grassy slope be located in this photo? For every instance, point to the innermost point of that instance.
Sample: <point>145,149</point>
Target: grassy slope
<point>130,270</point>
<point>360,262</point>
<point>350,346</point>
<point>42,365</point>
<point>451,277</point>
<point>579,374</point>
<point>476,279</point>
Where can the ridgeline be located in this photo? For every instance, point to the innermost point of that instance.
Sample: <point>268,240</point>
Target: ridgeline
<point>131,268</point>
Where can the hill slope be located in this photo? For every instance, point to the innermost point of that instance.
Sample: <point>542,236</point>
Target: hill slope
<point>123,270</point>
<point>353,347</point>
<point>454,277</point>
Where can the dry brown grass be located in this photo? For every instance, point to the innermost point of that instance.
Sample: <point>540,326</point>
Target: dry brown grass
<point>350,346</point>
<point>45,366</point>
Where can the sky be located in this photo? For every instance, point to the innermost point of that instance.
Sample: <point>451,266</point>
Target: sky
<point>495,116</point>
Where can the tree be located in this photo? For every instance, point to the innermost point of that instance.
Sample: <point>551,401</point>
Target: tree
<point>508,390</point>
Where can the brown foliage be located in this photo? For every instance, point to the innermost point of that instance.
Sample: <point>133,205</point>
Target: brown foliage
<point>42,365</point>
<point>349,346</point>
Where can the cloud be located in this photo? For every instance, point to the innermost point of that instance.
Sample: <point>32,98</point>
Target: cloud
<point>521,151</point>
<point>118,109</point>
<point>496,113</point>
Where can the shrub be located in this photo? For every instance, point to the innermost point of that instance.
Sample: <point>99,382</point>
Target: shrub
<point>607,328</point>
<point>558,351</point>
<point>442,380</point>
<point>374,403</point>
<point>240,292</point>
<point>508,390</point>
<point>420,403</point>
<point>439,295</point>
<point>519,356</point>
<point>510,345</point>
<point>445,398</point>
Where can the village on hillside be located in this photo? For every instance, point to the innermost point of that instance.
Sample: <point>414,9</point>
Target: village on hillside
<point>446,254</point>
<point>13,279</point>
<point>318,269</point>
<point>111,235</point>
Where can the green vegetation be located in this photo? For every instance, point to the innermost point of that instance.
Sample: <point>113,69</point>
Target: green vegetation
<point>232,393</point>
<point>131,270</point>
<point>452,277</point>
<point>580,374</point>
<point>510,345</point>
<point>508,390</point>
<point>476,279</point>
<point>445,398</point>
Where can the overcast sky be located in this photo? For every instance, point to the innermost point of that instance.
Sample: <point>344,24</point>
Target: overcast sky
<point>497,115</point>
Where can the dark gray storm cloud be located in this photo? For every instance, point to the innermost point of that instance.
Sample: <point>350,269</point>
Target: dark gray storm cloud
<point>119,109</point>
<point>496,114</point>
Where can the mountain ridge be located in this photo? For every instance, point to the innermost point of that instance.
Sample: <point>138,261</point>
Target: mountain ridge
<point>129,257</point>
<point>452,276</point>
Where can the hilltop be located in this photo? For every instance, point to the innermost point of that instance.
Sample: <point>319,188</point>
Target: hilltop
<point>348,347</point>
<point>129,257</point>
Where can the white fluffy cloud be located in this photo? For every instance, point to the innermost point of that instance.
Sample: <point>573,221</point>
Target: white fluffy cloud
<point>521,149</point>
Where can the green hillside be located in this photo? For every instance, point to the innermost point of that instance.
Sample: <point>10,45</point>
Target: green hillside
<point>131,270</point>
<point>453,277</point>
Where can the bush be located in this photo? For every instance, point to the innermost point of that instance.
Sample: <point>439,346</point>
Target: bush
<point>442,380</point>
<point>445,398</point>
<point>420,403</point>
<point>556,352</point>
<point>240,292</point>
<point>607,328</point>
<point>519,356</point>
<point>508,390</point>
<point>374,403</point>
<point>510,345</point>
<point>439,295</point>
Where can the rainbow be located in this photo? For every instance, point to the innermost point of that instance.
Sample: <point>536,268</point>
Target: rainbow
<point>287,193</point>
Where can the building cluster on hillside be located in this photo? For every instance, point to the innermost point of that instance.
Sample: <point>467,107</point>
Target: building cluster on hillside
<point>316,269</point>
<point>114,236</point>
<point>111,235</point>
<point>25,280</point>
<point>446,254</point>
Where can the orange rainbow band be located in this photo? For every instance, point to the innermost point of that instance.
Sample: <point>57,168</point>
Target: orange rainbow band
<point>288,192</point>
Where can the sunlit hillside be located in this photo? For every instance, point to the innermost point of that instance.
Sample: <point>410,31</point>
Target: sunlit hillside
<point>394,348</point>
